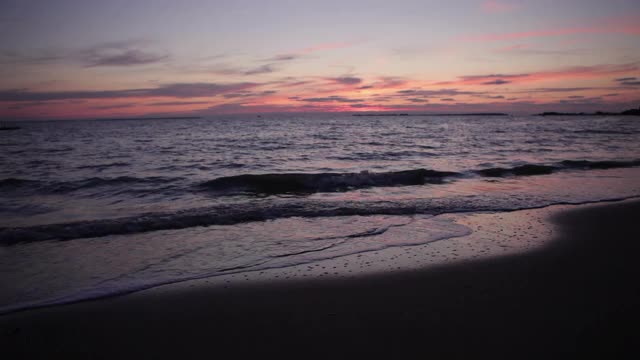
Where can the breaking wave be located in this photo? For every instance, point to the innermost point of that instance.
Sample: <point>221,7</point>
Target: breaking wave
<point>322,182</point>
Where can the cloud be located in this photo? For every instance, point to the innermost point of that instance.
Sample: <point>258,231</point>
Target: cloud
<point>548,90</point>
<point>496,82</point>
<point>119,54</point>
<point>113,54</point>
<point>523,49</point>
<point>578,72</point>
<point>283,57</point>
<point>346,80</point>
<point>629,81</point>
<point>125,58</point>
<point>264,69</point>
<point>244,94</point>
<point>493,7</point>
<point>114,106</point>
<point>385,82</point>
<point>435,93</point>
<point>448,99</point>
<point>309,50</point>
<point>178,103</point>
<point>333,98</point>
<point>177,90</point>
<point>490,79</point>
<point>12,58</point>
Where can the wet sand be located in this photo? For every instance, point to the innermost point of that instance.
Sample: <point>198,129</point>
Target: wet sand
<point>578,295</point>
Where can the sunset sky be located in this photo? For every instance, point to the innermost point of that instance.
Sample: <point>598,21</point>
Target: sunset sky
<point>93,59</point>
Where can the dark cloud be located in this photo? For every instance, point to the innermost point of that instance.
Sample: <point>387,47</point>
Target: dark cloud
<point>283,57</point>
<point>331,99</point>
<point>385,83</point>
<point>614,94</point>
<point>12,58</point>
<point>495,97</point>
<point>346,80</point>
<point>558,89</point>
<point>436,93</point>
<point>448,99</point>
<point>114,106</point>
<point>124,53</point>
<point>127,58</point>
<point>178,90</point>
<point>224,69</point>
<point>496,82</point>
<point>248,94</point>
<point>629,81</point>
<point>493,76</point>
<point>119,54</point>
<point>576,97</point>
<point>418,100</point>
<point>238,95</point>
<point>178,103</point>
<point>25,105</point>
<point>264,69</point>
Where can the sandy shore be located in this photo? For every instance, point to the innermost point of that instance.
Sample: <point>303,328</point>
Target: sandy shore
<point>578,294</point>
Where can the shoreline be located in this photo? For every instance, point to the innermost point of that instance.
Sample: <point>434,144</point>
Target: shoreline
<point>571,295</point>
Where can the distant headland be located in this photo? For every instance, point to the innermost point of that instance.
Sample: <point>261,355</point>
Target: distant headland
<point>155,118</point>
<point>597,113</point>
<point>408,114</point>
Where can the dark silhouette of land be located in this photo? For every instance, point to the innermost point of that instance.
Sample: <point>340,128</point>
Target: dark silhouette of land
<point>597,113</point>
<point>453,114</point>
<point>155,118</point>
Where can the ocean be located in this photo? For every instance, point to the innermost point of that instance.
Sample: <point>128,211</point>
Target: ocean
<point>91,209</point>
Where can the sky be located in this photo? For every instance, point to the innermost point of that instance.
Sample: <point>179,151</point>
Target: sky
<point>95,59</point>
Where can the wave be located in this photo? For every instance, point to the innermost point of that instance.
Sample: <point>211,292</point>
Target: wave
<point>322,182</point>
<point>15,182</point>
<point>586,164</point>
<point>103,166</point>
<point>522,170</point>
<point>230,214</point>
<point>534,169</point>
<point>606,132</point>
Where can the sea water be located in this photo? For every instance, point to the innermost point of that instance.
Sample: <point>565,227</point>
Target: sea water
<point>97,208</point>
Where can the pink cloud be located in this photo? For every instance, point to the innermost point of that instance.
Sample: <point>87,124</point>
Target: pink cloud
<point>574,72</point>
<point>493,7</point>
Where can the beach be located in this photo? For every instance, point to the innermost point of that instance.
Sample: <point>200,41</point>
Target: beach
<point>577,294</point>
